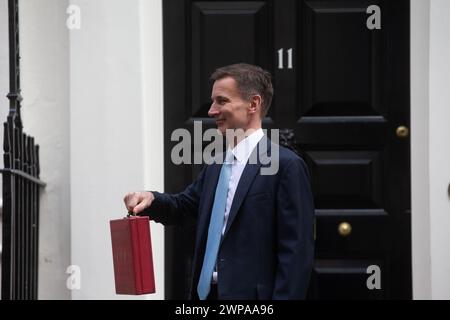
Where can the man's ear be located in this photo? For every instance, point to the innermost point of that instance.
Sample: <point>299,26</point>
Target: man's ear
<point>255,104</point>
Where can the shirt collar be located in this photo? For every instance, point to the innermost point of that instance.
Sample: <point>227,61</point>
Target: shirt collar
<point>244,148</point>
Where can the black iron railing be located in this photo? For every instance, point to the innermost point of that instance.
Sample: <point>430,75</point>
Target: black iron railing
<point>21,184</point>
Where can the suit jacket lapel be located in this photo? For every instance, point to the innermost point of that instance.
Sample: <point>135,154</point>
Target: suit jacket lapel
<point>248,175</point>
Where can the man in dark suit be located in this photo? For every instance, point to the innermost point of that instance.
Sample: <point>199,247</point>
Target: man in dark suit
<point>254,236</point>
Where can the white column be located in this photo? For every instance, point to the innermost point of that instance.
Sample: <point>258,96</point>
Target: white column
<point>153,119</point>
<point>420,197</point>
<point>116,131</point>
<point>430,78</point>
<point>439,148</point>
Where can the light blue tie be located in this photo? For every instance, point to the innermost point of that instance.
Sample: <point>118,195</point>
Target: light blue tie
<point>215,228</point>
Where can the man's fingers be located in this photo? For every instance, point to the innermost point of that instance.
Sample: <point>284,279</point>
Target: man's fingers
<point>144,204</point>
<point>131,200</point>
<point>136,202</point>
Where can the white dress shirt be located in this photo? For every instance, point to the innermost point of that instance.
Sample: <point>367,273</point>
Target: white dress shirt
<point>241,152</point>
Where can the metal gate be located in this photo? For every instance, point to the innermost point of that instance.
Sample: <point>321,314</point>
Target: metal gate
<point>21,187</point>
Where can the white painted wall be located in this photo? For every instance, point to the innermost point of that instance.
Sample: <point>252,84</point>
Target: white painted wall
<point>430,115</point>
<point>93,100</point>
<point>116,130</point>
<point>45,113</point>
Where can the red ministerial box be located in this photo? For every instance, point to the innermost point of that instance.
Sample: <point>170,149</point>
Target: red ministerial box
<point>132,255</point>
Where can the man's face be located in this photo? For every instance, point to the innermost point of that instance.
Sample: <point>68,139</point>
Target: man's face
<point>228,107</point>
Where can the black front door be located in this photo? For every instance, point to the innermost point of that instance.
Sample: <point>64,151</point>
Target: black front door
<point>341,101</point>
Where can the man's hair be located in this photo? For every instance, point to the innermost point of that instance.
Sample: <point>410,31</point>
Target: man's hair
<point>251,80</point>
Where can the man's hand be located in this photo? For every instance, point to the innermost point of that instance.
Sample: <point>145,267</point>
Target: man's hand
<point>136,202</point>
